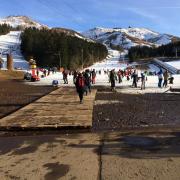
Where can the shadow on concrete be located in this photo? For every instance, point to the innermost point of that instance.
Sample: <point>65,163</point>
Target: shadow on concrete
<point>56,171</point>
<point>21,145</point>
<point>138,145</point>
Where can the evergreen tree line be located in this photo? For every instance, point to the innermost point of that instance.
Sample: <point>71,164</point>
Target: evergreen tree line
<point>142,52</point>
<point>50,47</point>
<point>5,29</point>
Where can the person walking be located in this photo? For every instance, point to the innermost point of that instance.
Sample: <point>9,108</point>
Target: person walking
<point>135,79</point>
<point>37,72</point>
<point>120,76</point>
<point>93,76</point>
<point>65,77</point>
<point>143,80</point>
<point>112,79</point>
<point>74,76</point>
<point>160,78</point>
<point>87,78</point>
<point>166,76</point>
<point>80,85</point>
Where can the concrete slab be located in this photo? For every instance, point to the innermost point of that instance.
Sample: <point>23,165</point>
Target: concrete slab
<point>141,155</point>
<point>49,157</point>
<point>60,108</point>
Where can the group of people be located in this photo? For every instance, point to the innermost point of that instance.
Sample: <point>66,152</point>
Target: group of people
<point>45,72</point>
<point>84,80</point>
<point>163,78</point>
<point>136,76</point>
<point>128,73</point>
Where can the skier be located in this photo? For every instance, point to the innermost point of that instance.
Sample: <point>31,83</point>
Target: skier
<point>80,85</point>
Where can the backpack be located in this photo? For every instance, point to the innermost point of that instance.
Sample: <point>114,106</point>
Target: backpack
<point>81,82</point>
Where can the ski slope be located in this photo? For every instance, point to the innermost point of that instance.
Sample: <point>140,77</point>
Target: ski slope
<point>10,43</point>
<point>113,62</point>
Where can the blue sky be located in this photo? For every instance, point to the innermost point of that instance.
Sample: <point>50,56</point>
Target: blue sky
<point>158,15</point>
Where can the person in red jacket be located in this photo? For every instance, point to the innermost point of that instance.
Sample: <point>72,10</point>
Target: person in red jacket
<point>80,86</point>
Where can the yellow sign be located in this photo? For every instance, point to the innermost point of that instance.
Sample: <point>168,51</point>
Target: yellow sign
<point>33,66</point>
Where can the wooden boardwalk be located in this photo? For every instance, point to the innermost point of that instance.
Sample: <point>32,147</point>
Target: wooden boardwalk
<point>60,108</point>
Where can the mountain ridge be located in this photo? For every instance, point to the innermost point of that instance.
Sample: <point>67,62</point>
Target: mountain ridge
<point>125,38</point>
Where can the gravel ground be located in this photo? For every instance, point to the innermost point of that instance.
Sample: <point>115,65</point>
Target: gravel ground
<point>14,95</point>
<point>114,110</point>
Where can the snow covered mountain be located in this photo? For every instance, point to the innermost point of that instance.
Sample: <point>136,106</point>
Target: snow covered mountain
<point>21,21</point>
<point>126,38</point>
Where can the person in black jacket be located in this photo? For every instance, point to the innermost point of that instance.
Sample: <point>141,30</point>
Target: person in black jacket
<point>80,86</point>
<point>135,79</point>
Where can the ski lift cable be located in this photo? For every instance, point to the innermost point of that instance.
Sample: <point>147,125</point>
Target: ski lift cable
<point>57,11</point>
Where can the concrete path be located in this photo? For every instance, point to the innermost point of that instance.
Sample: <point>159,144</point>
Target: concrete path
<point>49,157</point>
<point>60,108</point>
<point>141,156</point>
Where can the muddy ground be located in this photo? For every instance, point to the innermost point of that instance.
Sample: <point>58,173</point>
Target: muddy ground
<point>14,94</point>
<point>113,110</point>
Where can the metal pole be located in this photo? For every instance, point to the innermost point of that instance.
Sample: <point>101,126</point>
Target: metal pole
<point>93,56</point>
<point>59,54</point>
<point>82,57</point>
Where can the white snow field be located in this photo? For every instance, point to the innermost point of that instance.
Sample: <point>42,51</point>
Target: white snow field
<point>103,80</point>
<point>175,64</point>
<point>11,43</point>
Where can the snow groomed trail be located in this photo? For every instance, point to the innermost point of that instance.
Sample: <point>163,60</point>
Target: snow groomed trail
<point>10,43</point>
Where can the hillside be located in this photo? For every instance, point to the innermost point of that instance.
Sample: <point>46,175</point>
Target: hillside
<point>21,22</point>
<point>125,38</point>
<point>42,42</point>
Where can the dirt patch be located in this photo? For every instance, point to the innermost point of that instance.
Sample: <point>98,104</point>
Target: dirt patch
<point>118,110</point>
<point>8,74</point>
<point>14,94</point>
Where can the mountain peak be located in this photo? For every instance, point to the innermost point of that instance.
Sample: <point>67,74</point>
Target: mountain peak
<point>22,21</point>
